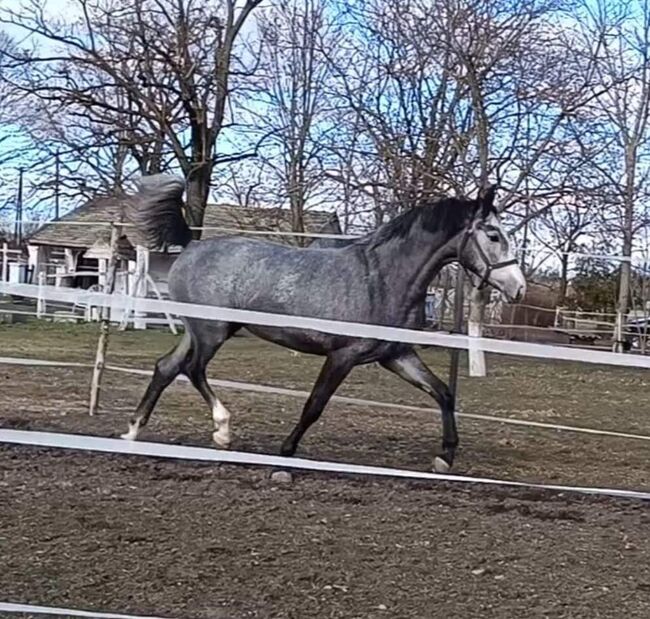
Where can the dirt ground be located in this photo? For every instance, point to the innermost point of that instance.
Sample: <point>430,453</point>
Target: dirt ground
<point>190,540</point>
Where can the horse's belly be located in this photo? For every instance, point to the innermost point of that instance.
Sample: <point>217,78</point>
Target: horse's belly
<point>311,342</point>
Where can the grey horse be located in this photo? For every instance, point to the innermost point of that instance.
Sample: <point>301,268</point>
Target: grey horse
<point>381,278</point>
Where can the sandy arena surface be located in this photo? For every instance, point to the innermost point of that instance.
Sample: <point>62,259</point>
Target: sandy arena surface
<point>190,540</point>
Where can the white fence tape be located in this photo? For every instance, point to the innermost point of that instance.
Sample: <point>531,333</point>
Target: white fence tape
<point>352,329</point>
<point>43,362</point>
<point>296,393</point>
<point>204,454</point>
<point>7,607</point>
<point>238,231</point>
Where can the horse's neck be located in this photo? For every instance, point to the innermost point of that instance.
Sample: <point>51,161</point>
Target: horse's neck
<point>408,265</point>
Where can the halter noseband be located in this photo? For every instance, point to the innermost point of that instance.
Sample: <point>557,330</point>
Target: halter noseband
<point>489,266</point>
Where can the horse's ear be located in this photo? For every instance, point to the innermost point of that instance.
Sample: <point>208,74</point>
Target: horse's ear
<point>486,200</point>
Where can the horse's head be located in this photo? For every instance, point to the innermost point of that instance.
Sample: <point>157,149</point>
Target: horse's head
<point>486,251</point>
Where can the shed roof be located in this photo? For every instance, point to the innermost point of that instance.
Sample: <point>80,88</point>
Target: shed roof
<point>219,216</point>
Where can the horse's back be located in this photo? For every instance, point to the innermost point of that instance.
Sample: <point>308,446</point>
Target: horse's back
<point>252,274</point>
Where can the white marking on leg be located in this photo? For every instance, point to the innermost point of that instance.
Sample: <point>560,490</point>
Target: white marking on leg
<point>132,434</point>
<point>221,417</point>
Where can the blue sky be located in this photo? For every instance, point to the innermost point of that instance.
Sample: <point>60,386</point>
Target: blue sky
<point>10,139</point>
<point>9,172</point>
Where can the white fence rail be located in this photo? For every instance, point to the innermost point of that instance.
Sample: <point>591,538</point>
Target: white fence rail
<point>352,329</point>
<point>22,609</point>
<point>297,393</point>
<point>207,454</point>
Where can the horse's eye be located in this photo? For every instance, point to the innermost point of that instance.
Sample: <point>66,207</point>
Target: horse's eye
<point>493,237</point>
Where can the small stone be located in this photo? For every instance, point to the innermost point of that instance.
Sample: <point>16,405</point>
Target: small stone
<point>382,607</point>
<point>282,477</point>
<point>479,571</point>
<point>440,466</point>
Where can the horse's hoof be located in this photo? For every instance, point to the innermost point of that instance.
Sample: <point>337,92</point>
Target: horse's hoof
<point>132,434</point>
<point>220,441</point>
<point>282,477</point>
<point>441,466</point>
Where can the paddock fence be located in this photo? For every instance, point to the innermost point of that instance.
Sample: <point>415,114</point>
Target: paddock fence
<point>93,444</point>
<point>522,322</point>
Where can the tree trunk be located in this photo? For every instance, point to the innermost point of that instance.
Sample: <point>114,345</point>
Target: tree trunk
<point>478,298</point>
<point>623,291</point>
<point>298,221</point>
<point>297,202</point>
<point>564,274</point>
<point>626,267</point>
<point>198,189</point>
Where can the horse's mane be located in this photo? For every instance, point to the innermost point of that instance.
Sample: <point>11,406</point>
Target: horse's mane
<point>448,215</point>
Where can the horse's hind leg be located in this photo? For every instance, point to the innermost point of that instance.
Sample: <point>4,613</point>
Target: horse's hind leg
<point>167,369</point>
<point>220,414</point>
<point>199,344</point>
<point>412,369</point>
<point>204,350</point>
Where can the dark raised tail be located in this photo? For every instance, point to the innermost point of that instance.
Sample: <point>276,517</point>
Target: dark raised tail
<point>156,210</point>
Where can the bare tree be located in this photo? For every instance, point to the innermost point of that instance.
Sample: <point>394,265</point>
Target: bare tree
<point>398,84</point>
<point>16,153</point>
<point>243,184</point>
<point>451,95</point>
<point>562,228</point>
<point>617,35</point>
<point>290,107</point>
<point>154,72</point>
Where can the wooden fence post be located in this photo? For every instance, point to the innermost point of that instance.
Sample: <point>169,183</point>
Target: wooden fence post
<point>457,328</point>
<point>40,300</point>
<point>104,326</point>
<point>5,262</point>
<point>476,356</point>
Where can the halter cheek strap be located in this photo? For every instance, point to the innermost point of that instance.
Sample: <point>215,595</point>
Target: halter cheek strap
<point>470,235</point>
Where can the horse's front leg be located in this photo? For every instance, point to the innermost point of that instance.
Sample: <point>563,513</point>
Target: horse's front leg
<point>412,369</point>
<point>334,370</point>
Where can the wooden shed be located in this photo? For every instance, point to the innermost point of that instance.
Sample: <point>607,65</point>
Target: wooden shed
<point>74,250</point>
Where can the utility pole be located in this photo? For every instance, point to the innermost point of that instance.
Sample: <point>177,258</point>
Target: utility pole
<point>524,243</point>
<point>18,228</point>
<point>57,184</point>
